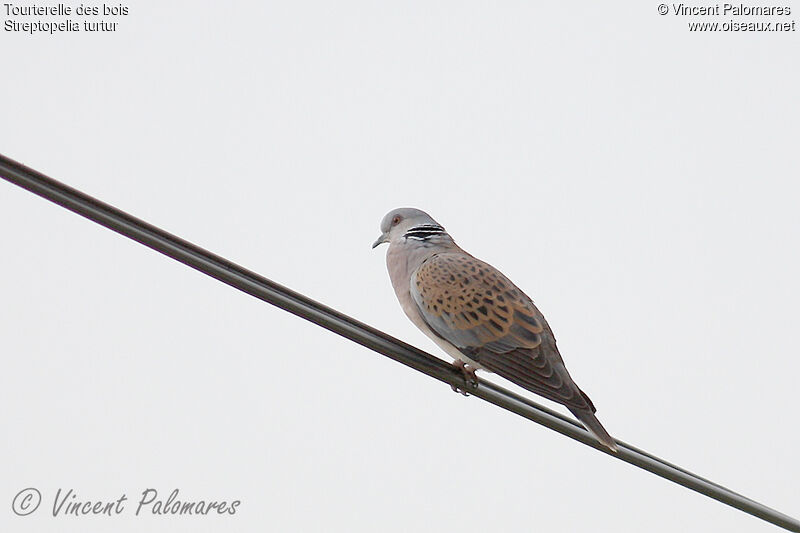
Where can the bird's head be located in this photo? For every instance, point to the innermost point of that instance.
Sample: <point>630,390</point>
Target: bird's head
<point>407,222</point>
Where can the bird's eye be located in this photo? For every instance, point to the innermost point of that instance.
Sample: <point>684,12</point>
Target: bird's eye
<point>396,220</point>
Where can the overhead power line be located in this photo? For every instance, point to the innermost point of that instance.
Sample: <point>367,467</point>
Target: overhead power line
<point>322,315</point>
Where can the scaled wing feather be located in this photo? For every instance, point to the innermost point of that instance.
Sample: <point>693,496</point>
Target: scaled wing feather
<point>476,308</point>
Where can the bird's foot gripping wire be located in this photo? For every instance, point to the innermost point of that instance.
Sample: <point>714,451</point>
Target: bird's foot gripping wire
<point>469,376</point>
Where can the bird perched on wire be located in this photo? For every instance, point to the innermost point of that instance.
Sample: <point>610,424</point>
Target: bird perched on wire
<point>476,314</point>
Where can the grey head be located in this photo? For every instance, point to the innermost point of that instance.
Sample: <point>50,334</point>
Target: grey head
<point>409,224</point>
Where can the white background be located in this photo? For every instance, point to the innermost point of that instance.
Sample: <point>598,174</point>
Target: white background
<point>637,180</point>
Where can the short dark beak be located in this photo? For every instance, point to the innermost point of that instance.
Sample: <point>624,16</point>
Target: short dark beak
<point>382,239</point>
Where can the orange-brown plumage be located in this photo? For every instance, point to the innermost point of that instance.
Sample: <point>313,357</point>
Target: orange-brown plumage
<point>476,314</point>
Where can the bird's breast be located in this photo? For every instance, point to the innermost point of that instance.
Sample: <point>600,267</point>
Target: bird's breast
<point>401,264</point>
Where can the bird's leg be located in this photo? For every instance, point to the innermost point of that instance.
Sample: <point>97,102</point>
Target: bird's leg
<point>469,376</point>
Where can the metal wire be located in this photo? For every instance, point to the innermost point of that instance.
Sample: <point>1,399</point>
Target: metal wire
<point>271,292</point>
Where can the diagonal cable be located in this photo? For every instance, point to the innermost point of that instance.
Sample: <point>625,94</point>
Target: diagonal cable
<point>331,319</point>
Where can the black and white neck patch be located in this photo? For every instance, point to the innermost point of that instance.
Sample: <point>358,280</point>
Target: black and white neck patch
<point>424,232</point>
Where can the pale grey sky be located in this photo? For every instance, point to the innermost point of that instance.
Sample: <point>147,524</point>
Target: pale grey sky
<point>638,180</point>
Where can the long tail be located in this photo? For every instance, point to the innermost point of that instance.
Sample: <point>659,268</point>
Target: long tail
<point>587,418</point>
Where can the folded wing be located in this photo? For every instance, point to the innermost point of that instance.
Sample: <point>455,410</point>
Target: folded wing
<point>476,308</point>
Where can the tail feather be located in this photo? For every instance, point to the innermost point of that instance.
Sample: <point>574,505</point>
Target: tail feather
<point>594,426</point>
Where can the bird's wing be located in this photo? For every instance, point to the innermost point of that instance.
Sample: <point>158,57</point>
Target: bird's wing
<point>473,306</point>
